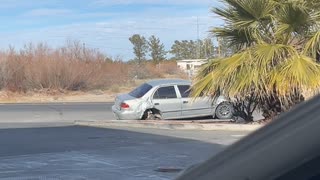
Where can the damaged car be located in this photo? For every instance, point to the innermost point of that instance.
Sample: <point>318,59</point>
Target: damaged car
<point>168,99</point>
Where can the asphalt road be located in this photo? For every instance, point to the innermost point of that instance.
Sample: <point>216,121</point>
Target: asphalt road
<point>53,112</point>
<point>61,112</point>
<point>39,141</point>
<point>63,151</point>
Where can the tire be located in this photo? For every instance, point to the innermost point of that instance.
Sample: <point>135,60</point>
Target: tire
<point>224,110</point>
<point>151,115</point>
<point>154,117</point>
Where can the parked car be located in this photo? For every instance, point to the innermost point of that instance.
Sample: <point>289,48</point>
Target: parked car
<point>168,99</point>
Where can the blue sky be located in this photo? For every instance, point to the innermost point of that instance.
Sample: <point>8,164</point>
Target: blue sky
<point>103,24</point>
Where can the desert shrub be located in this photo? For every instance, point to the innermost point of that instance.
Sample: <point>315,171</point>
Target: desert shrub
<point>149,70</point>
<point>115,88</point>
<point>169,67</point>
<point>72,67</point>
<point>146,70</point>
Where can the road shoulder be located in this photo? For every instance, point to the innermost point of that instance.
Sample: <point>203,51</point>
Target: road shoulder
<point>206,125</point>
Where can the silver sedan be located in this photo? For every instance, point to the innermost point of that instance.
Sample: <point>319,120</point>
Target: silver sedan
<point>168,99</point>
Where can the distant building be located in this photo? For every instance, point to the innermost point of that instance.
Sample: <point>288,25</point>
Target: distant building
<point>191,66</point>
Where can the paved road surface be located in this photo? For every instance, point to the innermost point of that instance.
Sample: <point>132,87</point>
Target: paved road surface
<point>53,112</point>
<point>63,151</point>
<point>39,141</point>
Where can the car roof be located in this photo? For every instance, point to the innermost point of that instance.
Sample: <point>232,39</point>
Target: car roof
<point>158,82</point>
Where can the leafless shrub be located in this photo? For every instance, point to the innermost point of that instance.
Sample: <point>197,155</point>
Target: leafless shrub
<point>149,70</point>
<point>72,67</point>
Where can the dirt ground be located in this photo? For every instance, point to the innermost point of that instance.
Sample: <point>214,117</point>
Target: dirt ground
<point>47,97</point>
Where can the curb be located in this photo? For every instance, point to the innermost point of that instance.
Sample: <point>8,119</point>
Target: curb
<point>172,125</point>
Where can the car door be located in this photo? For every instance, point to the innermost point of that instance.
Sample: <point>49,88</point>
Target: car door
<point>166,100</point>
<point>194,107</point>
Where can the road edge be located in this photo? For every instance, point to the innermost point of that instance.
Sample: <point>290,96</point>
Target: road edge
<point>171,125</point>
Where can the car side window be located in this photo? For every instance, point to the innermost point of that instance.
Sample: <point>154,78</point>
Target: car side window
<point>165,93</point>
<point>184,90</point>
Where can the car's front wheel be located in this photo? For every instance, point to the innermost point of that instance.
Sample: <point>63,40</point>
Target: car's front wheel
<point>224,110</point>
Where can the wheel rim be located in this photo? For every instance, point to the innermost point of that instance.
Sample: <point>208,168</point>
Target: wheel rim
<point>224,110</point>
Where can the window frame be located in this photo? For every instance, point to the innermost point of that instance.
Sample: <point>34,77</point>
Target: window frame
<point>156,91</point>
<point>182,93</point>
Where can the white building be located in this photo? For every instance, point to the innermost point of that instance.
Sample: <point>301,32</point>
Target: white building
<point>191,66</point>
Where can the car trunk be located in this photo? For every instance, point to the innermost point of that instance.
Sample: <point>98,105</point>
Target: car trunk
<point>122,98</point>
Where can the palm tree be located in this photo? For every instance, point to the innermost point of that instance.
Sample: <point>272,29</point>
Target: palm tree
<point>277,43</point>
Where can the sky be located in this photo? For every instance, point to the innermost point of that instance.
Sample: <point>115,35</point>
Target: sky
<point>105,25</point>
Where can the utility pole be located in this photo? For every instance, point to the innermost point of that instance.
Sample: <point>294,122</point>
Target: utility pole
<point>205,48</point>
<point>219,46</point>
<point>84,50</point>
<point>198,41</point>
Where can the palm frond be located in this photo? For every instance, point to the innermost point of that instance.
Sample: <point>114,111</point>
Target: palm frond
<point>298,72</point>
<point>293,18</point>
<point>278,41</point>
<point>207,68</point>
<point>237,38</point>
<point>246,20</point>
<point>233,75</point>
<point>312,46</point>
<point>256,10</point>
<point>269,55</point>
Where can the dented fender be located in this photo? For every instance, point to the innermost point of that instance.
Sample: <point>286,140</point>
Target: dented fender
<point>143,106</point>
<point>220,99</point>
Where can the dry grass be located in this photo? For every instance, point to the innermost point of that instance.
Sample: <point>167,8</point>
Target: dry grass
<point>45,70</point>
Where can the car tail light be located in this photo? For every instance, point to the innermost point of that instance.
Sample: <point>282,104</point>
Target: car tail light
<point>124,106</point>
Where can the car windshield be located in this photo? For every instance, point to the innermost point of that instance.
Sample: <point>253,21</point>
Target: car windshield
<point>140,91</point>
